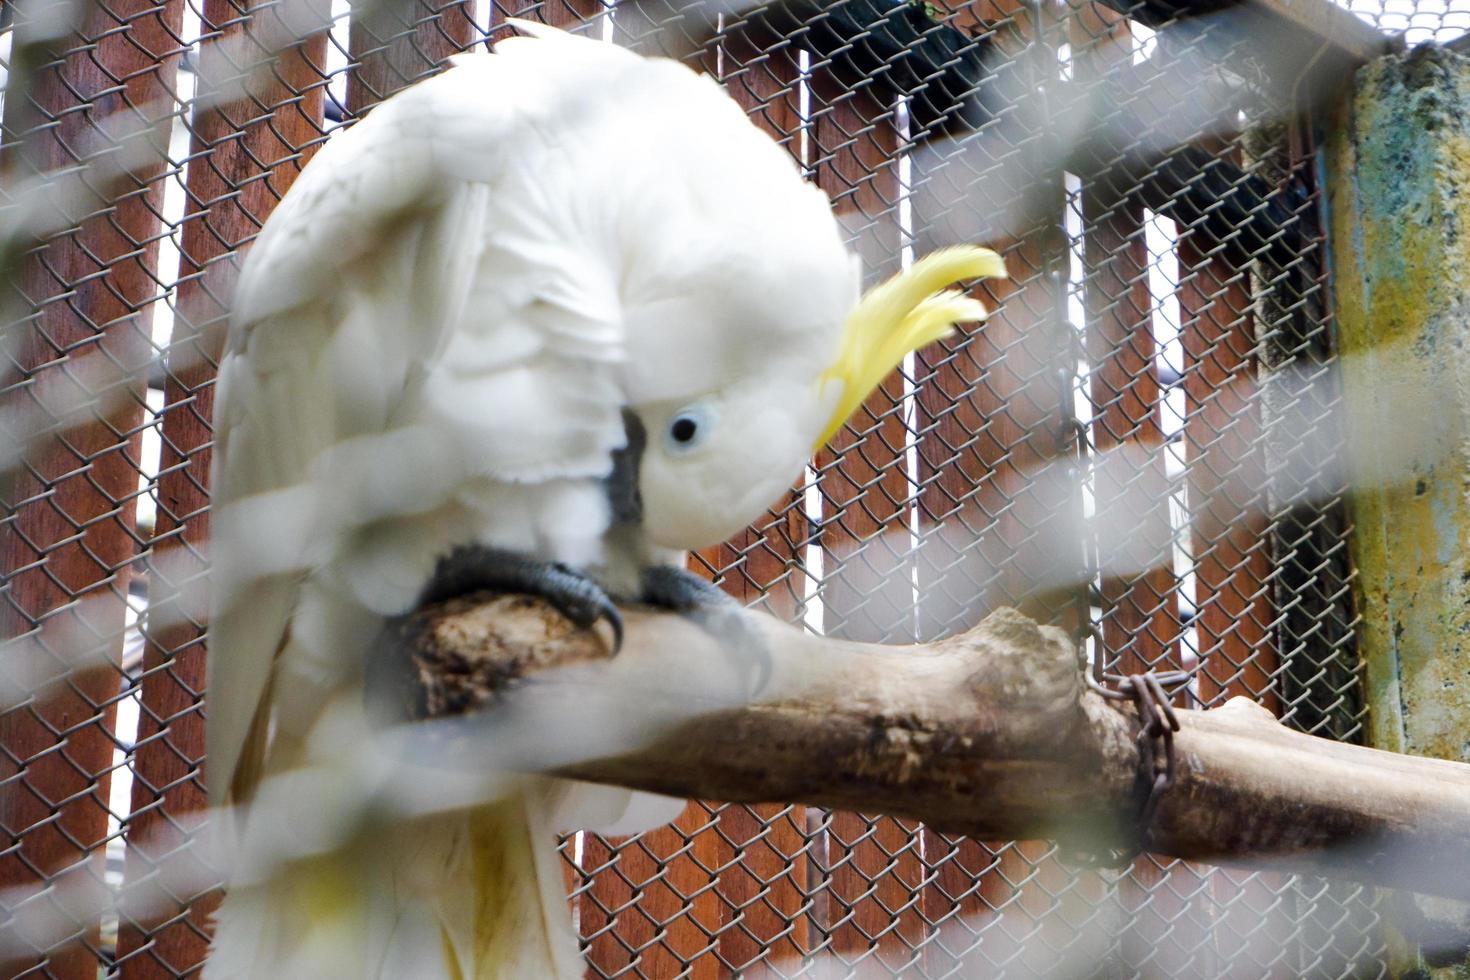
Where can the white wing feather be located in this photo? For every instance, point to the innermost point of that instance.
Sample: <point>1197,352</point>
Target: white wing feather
<point>403,304</point>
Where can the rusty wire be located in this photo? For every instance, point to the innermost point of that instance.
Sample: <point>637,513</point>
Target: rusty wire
<point>1161,365</point>
<point>1152,694</point>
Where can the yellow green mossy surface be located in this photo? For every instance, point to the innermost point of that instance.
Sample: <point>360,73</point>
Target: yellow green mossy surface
<point>1398,166</point>
<point>1398,163</point>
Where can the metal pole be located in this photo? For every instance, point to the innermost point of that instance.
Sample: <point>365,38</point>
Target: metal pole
<point>1398,166</point>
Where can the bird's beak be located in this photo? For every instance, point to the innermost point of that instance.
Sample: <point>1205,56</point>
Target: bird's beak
<point>914,308</point>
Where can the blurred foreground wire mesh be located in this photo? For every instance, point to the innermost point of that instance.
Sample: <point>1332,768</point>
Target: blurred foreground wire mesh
<point>1141,446</point>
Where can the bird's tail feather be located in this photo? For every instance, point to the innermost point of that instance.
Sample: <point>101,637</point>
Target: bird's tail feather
<point>476,895</point>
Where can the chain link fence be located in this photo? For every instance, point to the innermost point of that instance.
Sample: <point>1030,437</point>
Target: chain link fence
<point>1141,446</point>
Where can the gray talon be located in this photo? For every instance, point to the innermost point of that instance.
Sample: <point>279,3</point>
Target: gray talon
<point>615,620</point>
<point>473,568</point>
<point>587,608</point>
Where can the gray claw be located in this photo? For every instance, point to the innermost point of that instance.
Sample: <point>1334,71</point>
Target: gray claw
<point>575,595</point>
<point>585,603</point>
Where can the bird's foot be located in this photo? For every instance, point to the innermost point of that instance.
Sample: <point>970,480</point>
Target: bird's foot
<point>714,611</point>
<point>474,568</point>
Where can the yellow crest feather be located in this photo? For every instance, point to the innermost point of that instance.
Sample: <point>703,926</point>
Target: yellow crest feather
<point>911,309</point>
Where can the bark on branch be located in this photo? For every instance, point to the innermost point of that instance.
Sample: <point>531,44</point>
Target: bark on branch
<point>991,734</point>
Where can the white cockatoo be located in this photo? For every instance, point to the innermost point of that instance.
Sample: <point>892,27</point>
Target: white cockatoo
<point>538,324</point>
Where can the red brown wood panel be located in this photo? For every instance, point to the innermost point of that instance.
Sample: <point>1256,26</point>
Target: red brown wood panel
<point>69,531</point>
<point>873,910</point>
<point>651,901</point>
<point>761,566</point>
<point>1224,440</point>
<point>740,911</point>
<point>767,922</point>
<point>959,902</point>
<point>271,134</point>
<point>394,43</point>
<point>1002,907</point>
<point>565,14</point>
<point>767,86</point>
<point>1171,921</point>
<point>997,507</point>
<point>602,899</point>
<point>767,893</point>
<point>1131,489</point>
<point>1140,622</point>
<point>1169,913</point>
<point>763,886</point>
<point>1257,924</point>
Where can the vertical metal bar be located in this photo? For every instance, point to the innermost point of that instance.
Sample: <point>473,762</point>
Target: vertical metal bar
<point>68,537</point>
<point>244,154</point>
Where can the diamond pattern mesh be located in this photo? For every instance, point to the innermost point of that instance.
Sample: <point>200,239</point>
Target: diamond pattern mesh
<point>1139,446</point>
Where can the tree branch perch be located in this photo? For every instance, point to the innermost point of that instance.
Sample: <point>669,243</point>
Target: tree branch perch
<point>991,734</point>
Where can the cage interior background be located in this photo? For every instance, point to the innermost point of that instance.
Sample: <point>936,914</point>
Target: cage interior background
<point>1138,446</point>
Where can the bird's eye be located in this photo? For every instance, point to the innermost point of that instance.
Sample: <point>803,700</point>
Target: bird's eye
<point>688,429</point>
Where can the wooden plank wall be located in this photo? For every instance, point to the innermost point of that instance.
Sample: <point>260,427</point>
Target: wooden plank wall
<point>1168,922</point>
<point>726,890</point>
<point>69,532</point>
<point>766,882</point>
<point>723,881</point>
<point>395,44</point>
<point>1225,437</point>
<point>993,445</point>
<point>243,156</point>
<point>1225,442</point>
<point>873,866</point>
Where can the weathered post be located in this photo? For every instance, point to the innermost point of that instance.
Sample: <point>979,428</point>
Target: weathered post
<point>1398,164</point>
